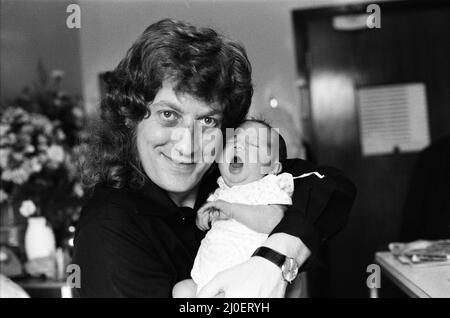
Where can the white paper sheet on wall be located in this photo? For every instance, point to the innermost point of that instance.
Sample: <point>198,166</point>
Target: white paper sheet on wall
<point>393,117</point>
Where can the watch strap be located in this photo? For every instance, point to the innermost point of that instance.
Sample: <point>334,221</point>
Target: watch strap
<point>271,255</point>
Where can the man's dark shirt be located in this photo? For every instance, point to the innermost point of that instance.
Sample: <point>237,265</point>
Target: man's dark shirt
<point>138,243</point>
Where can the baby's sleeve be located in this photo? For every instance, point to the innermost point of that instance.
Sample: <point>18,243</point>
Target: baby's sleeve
<point>213,197</point>
<point>285,182</point>
<point>277,189</point>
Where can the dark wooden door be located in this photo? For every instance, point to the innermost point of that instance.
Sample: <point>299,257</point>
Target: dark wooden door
<point>412,45</point>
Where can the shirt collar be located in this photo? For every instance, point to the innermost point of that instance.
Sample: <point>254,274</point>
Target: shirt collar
<point>154,201</point>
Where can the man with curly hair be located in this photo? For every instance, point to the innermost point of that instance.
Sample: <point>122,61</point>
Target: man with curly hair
<point>137,235</point>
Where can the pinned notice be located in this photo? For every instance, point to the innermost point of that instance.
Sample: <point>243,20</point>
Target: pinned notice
<point>393,118</point>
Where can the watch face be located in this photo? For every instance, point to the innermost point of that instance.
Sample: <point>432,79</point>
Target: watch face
<point>289,269</point>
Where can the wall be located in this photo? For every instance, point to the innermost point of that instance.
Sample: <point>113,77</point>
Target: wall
<point>33,30</point>
<point>264,27</point>
<point>411,46</point>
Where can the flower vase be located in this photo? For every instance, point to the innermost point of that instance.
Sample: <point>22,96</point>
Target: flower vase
<point>39,238</point>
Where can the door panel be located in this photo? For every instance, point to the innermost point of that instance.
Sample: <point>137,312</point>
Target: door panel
<point>411,46</point>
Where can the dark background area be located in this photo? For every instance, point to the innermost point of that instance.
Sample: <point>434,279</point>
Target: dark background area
<point>412,45</point>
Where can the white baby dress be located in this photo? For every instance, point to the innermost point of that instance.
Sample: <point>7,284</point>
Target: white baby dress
<point>228,242</point>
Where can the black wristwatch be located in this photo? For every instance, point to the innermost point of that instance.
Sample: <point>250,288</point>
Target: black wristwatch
<point>288,265</point>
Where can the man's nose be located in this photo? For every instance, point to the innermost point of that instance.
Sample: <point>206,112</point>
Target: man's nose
<point>188,142</point>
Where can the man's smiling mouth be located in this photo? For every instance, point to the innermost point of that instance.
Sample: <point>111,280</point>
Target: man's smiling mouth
<point>179,165</point>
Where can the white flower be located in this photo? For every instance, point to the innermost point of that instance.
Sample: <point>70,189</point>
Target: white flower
<point>4,129</point>
<point>17,156</point>
<point>4,155</point>
<point>39,121</point>
<point>77,112</point>
<point>3,141</point>
<point>22,175</point>
<point>78,190</point>
<point>41,139</point>
<point>29,149</point>
<point>35,164</point>
<point>48,129</point>
<point>27,129</point>
<point>3,196</point>
<point>27,208</point>
<point>17,176</point>
<point>12,138</point>
<point>55,153</point>
<point>60,134</point>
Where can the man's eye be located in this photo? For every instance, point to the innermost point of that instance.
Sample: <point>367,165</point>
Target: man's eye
<point>168,115</point>
<point>209,121</point>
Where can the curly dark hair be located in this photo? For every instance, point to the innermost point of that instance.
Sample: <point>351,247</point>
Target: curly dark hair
<point>199,61</point>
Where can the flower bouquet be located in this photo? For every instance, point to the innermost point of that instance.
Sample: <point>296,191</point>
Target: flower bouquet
<point>41,134</point>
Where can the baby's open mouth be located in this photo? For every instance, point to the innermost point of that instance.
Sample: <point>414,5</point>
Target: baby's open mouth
<point>236,165</point>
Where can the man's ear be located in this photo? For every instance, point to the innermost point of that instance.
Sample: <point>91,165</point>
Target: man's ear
<point>277,168</point>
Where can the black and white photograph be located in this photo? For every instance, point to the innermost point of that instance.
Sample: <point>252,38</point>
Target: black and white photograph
<point>225,149</point>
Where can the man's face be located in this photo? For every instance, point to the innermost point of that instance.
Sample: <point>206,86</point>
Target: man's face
<point>249,155</point>
<point>175,141</point>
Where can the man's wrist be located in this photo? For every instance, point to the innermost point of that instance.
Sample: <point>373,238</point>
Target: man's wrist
<point>271,255</point>
<point>288,245</point>
<point>289,267</point>
<point>269,268</point>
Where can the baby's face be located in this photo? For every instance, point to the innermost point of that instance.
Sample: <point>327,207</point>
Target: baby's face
<point>250,155</point>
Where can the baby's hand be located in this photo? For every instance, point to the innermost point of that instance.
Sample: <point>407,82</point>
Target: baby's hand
<point>217,210</point>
